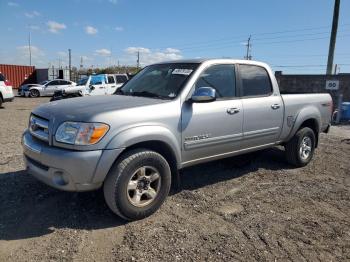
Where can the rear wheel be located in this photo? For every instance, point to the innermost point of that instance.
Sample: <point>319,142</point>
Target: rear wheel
<point>1,101</point>
<point>137,184</point>
<point>300,149</point>
<point>34,93</point>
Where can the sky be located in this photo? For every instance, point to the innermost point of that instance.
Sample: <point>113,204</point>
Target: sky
<point>290,35</point>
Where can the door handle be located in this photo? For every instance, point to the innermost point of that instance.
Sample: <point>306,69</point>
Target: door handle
<point>101,87</point>
<point>232,111</point>
<point>275,106</point>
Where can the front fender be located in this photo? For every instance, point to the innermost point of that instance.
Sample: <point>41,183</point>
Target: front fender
<point>139,134</point>
<point>307,113</point>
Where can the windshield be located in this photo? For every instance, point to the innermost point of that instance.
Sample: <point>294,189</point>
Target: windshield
<point>44,82</point>
<point>160,81</point>
<point>83,81</point>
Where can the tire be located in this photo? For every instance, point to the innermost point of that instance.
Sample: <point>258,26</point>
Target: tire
<point>300,149</point>
<point>34,93</point>
<point>1,101</point>
<point>127,173</point>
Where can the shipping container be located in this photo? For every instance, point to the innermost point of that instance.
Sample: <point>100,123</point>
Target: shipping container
<point>18,75</point>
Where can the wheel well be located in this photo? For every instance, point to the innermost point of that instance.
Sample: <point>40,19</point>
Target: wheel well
<point>160,147</point>
<point>313,124</point>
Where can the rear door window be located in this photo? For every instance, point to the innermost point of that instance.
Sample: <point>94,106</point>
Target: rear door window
<point>111,80</point>
<point>255,81</point>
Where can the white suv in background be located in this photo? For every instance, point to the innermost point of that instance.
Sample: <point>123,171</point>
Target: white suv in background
<point>6,93</point>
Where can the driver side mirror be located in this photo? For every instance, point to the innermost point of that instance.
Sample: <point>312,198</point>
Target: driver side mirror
<point>203,94</point>
<point>92,87</point>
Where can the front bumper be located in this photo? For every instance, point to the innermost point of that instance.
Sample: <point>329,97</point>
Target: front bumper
<point>9,99</point>
<point>67,169</point>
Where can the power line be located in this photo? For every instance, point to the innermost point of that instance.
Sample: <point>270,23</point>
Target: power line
<point>230,39</point>
<point>213,47</point>
<point>290,66</point>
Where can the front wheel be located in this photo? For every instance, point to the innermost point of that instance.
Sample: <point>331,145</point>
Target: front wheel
<point>300,149</point>
<point>137,184</point>
<point>34,93</point>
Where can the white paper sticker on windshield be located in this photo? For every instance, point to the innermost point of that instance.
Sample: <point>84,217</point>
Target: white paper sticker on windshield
<point>179,71</point>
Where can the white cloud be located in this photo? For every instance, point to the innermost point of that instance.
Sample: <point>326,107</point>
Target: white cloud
<point>32,14</point>
<point>62,54</point>
<point>113,1</point>
<point>13,4</point>
<point>119,28</point>
<point>148,56</point>
<point>133,50</point>
<point>103,52</point>
<point>172,50</point>
<point>55,27</point>
<point>34,27</point>
<point>90,30</point>
<point>22,55</point>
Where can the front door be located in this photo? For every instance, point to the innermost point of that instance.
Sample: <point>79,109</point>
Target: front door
<point>50,88</point>
<point>97,85</point>
<point>262,106</point>
<point>212,128</point>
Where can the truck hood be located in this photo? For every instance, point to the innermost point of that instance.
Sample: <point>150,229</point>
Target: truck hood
<point>85,108</point>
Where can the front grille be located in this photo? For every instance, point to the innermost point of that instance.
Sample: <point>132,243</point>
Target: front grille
<point>39,127</point>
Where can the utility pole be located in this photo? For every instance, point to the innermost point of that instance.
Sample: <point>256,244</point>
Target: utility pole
<point>249,49</point>
<point>333,37</point>
<point>70,63</point>
<point>138,59</point>
<point>81,62</point>
<point>30,48</point>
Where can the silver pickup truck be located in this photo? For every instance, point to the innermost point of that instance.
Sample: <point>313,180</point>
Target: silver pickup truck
<point>169,116</point>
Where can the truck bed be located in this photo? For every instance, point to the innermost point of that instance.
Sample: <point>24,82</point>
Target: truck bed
<point>298,105</point>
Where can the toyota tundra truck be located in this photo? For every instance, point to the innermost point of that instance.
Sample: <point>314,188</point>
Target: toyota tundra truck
<point>169,116</point>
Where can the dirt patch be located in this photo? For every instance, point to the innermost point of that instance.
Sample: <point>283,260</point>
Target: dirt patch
<point>265,211</point>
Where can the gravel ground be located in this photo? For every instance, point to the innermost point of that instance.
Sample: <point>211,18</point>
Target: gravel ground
<point>265,211</point>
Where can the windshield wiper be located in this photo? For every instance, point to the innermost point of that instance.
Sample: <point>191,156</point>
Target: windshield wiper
<point>147,94</point>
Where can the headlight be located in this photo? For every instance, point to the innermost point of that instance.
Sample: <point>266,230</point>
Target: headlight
<point>77,133</point>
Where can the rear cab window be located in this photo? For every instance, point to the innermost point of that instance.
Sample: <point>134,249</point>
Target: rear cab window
<point>255,81</point>
<point>121,79</point>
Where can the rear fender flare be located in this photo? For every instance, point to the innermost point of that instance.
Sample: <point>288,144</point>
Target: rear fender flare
<point>305,114</point>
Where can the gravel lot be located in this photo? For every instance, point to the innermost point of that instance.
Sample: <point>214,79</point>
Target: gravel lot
<point>266,211</point>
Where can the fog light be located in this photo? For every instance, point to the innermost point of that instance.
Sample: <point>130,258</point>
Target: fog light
<point>59,178</point>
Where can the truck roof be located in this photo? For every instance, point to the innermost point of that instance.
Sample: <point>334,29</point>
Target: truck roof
<point>214,60</point>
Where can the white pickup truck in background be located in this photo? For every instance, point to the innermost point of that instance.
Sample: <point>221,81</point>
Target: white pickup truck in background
<point>93,85</point>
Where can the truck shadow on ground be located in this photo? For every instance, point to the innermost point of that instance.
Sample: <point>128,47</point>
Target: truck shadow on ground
<point>29,208</point>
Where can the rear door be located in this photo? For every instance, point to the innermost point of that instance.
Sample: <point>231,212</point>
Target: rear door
<point>213,128</point>
<point>262,107</point>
